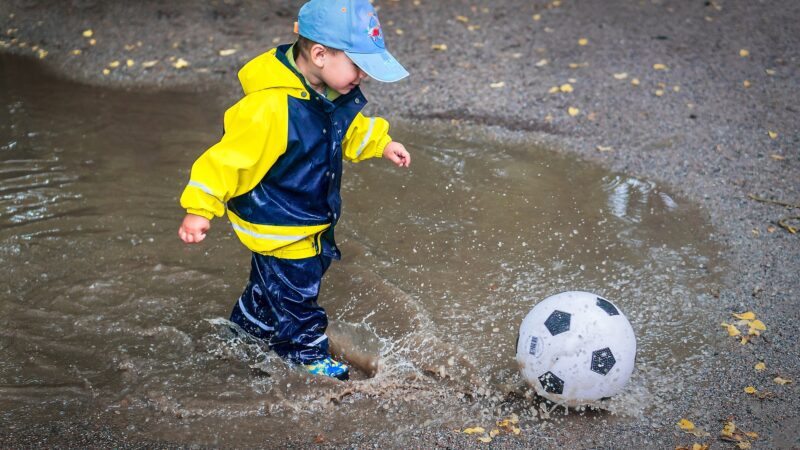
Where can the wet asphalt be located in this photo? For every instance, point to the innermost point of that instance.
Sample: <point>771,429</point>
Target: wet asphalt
<point>701,97</point>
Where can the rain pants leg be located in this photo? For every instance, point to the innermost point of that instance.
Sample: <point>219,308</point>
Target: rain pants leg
<point>279,305</point>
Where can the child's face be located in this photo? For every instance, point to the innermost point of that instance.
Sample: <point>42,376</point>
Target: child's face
<point>340,73</point>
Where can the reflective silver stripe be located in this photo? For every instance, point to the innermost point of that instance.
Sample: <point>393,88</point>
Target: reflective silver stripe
<point>203,188</point>
<point>275,237</point>
<point>318,340</point>
<point>366,138</point>
<point>260,324</point>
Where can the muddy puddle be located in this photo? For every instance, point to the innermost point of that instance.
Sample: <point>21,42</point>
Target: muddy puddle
<point>105,316</point>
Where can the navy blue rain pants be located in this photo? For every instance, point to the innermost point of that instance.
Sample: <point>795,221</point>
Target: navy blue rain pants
<point>279,305</point>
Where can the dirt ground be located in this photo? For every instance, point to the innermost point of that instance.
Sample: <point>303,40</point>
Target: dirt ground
<point>699,96</point>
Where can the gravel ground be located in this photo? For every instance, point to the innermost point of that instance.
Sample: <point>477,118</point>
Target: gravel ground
<point>719,121</point>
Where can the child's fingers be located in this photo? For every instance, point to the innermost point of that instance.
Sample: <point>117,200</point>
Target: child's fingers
<point>191,237</point>
<point>402,159</point>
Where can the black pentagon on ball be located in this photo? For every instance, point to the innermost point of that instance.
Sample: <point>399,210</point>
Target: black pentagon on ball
<point>558,322</point>
<point>551,383</point>
<point>606,306</point>
<point>602,361</point>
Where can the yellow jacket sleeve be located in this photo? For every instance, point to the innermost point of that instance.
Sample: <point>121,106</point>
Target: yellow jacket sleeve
<point>366,138</point>
<point>256,130</point>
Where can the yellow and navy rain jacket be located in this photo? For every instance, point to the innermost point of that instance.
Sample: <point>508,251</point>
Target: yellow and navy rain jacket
<point>277,169</point>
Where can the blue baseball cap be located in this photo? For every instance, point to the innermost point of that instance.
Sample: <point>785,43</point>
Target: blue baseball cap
<point>353,27</point>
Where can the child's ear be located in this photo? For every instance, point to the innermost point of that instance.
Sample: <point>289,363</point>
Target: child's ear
<point>318,53</point>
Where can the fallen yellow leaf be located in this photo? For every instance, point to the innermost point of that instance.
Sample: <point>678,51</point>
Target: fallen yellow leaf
<point>439,47</point>
<point>130,63</point>
<point>76,52</point>
<point>494,432</point>
<point>758,325</point>
<point>659,92</point>
<point>685,424</point>
<point>782,381</point>
<point>751,434</point>
<point>744,53</point>
<point>749,315</point>
<point>583,41</point>
<point>746,84</point>
<point>464,19</point>
<point>777,157</point>
<point>728,429</point>
<point>227,52</point>
<point>566,87</point>
<point>541,63</point>
<point>106,71</point>
<point>399,32</point>
<point>750,390</point>
<point>635,81</point>
<point>760,366</point>
<point>113,64</point>
<point>697,446</point>
<point>572,111</point>
<point>537,17</point>
<point>553,90</point>
<point>659,66</point>
<point>770,71</point>
<point>744,445</point>
<point>87,33</point>
<point>149,64</point>
<point>474,430</point>
<point>498,85</point>
<point>620,76</point>
<point>485,439</point>
<point>42,53</point>
<point>773,134</point>
<point>732,330</point>
<point>92,41</point>
<point>516,430</point>
<point>180,63</point>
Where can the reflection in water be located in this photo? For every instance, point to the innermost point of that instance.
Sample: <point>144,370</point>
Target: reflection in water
<point>105,315</point>
<point>629,198</point>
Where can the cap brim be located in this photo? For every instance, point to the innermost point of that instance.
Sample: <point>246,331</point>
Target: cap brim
<point>379,66</point>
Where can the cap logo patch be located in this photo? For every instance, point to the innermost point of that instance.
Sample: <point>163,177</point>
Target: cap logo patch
<point>374,31</point>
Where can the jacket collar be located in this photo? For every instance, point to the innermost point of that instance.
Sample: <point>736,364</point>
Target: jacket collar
<point>317,98</point>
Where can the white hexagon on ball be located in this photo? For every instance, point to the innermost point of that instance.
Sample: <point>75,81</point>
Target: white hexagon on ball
<point>576,348</point>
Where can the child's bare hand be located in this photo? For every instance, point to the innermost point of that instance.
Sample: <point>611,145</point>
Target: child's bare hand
<point>397,153</point>
<point>193,229</point>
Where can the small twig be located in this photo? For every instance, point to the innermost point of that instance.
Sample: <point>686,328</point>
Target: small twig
<point>775,202</point>
<point>783,222</point>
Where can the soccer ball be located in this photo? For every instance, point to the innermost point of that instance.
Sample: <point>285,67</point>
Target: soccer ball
<point>575,348</point>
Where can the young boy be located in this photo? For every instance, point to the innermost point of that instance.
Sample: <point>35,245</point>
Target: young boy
<point>278,166</point>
